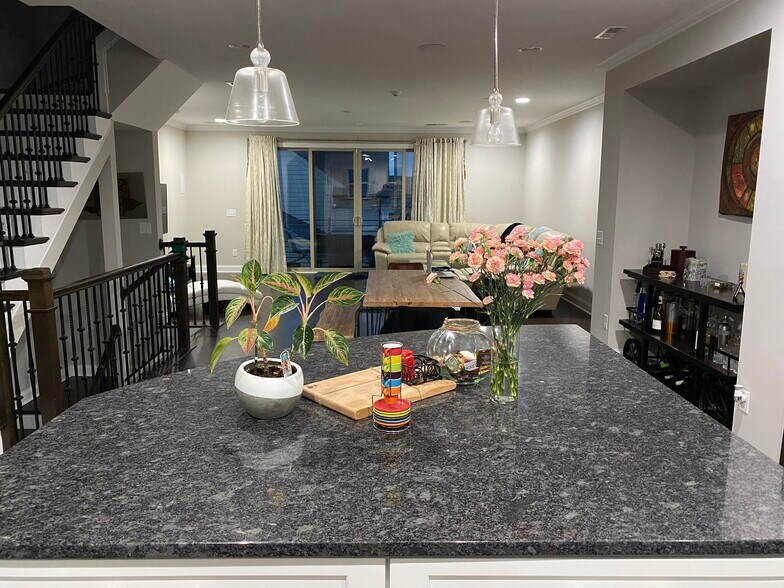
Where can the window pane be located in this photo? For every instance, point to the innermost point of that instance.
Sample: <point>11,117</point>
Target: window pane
<point>382,196</point>
<point>333,201</point>
<point>294,201</point>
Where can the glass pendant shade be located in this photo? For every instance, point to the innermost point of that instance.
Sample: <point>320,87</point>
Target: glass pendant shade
<point>495,126</point>
<point>261,95</point>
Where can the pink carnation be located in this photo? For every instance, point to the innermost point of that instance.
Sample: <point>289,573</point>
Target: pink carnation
<point>528,281</point>
<point>431,277</point>
<point>474,277</point>
<point>491,234</point>
<point>528,293</point>
<point>539,279</point>
<point>496,264</point>
<point>517,252</point>
<point>454,257</point>
<point>475,260</point>
<point>549,276</point>
<point>551,244</point>
<point>459,242</point>
<point>574,247</point>
<point>513,280</point>
<point>487,300</point>
<point>580,277</point>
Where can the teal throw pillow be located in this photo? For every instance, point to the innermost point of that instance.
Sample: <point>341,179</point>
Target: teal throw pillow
<point>401,242</point>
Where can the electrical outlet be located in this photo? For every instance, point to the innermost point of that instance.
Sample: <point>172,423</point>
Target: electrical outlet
<point>231,212</point>
<point>234,253</point>
<point>600,237</point>
<point>606,322</point>
<point>742,398</point>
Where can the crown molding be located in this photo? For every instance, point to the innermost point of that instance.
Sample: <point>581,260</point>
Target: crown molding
<point>590,103</point>
<point>663,33</point>
<point>175,124</point>
<point>307,131</point>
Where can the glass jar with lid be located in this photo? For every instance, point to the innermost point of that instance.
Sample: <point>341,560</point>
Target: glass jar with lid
<point>462,350</point>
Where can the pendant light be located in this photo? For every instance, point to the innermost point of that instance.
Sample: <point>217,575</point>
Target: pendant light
<point>495,126</point>
<point>260,95</point>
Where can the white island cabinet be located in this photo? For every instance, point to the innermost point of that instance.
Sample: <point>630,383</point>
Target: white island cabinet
<point>398,573</point>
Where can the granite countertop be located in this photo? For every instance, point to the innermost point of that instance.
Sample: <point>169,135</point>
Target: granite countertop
<point>597,459</point>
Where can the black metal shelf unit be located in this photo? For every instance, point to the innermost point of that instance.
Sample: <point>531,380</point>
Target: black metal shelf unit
<point>690,350</point>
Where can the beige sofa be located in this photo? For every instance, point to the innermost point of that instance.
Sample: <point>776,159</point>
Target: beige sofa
<point>438,238</point>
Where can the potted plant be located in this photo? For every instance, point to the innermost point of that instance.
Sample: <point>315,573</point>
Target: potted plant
<point>267,387</point>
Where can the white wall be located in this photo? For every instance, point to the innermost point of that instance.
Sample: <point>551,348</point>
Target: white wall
<point>625,225</point>
<point>137,151</point>
<point>83,254</point>
<point>494,183</point>
<point>724,240</point>
<point>172,158</point>
<point>561,182</point>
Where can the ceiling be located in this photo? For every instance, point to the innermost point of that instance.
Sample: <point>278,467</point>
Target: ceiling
<point>347,55</point>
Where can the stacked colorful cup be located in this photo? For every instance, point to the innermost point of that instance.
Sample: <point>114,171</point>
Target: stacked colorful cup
<point>391,412</point>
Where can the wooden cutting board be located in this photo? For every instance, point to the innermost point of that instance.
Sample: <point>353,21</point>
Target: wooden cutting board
<point>352,394</point>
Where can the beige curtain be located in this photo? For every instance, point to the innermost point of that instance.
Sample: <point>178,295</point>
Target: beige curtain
<point>264,238</point>
<point>439,180</point>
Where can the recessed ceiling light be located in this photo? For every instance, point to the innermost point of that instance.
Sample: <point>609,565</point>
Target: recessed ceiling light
<point>239,46</point>
<point>220,120</point>
<point>522,100</point>
<point>609,33</point>
<point>532,49</point>
<point>431,47</point>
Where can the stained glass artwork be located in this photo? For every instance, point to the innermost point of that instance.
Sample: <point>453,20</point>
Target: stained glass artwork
<point>741,163</point>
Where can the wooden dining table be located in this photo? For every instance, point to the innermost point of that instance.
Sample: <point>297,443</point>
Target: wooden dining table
<point>408,288</point>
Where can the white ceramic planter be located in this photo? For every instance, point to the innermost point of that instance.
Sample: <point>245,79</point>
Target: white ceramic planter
<point>268,398</point>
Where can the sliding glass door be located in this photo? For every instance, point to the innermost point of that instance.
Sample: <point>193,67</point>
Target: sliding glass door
<point>348,194</point>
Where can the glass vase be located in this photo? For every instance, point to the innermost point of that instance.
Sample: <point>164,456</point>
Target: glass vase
<point>504,377</point>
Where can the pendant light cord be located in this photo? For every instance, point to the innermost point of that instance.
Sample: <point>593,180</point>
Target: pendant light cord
<point>495,49</point>
<point>258,23</point>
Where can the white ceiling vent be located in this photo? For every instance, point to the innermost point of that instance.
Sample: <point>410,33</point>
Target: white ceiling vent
<point>609,33</point>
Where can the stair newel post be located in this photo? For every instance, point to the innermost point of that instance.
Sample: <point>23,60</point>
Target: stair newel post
<point>180,245</point>
<point>47,355</point>
<point>212,277</point>
<point>8,432</point>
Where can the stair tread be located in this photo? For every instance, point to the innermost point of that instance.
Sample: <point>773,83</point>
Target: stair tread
<point>6,274</point>
<point>47,133</point>
<point>37,211</point>
<point>63,158</point>
<point>36,184</point>
<point>23,241</point>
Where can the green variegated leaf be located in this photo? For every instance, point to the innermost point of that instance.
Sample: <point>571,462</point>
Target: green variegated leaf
<point>282,304</point>
<point>345,296</point>
<point>252,271</point>
<point>247,283</point>
<point>337,345</point>
<point>247,339</point>
<point>216,352</point>
<point>305,283</point>
<point>264,341</point>
<point>302,339</point>
<point>330,278</point>
<point>234,309</point>
<point>282,283</point>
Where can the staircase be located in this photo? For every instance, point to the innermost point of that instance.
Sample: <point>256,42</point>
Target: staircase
<point>53,143</point>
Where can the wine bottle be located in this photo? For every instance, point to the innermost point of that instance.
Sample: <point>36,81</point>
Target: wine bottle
<point>658,316</point>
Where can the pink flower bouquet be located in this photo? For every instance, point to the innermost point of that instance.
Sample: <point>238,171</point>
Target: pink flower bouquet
<point>513,277</point>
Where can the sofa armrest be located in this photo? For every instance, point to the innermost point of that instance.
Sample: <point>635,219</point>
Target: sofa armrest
<point>382,247</point>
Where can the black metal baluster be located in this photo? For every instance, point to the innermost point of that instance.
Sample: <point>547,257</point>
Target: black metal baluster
<point>123,312</point>
<point>64,359</point>
<point>31,370</point>
<point>201,284</point>
<point>8,307</point>
<point>74,353</point>
<point>88,328</point>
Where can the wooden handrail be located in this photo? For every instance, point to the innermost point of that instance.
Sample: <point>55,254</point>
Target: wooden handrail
<point>117,273</point>
<point>14,295</point>
<point>7,101</point>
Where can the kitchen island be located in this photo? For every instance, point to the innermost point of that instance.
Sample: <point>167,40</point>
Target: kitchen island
<point>599,472</point>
